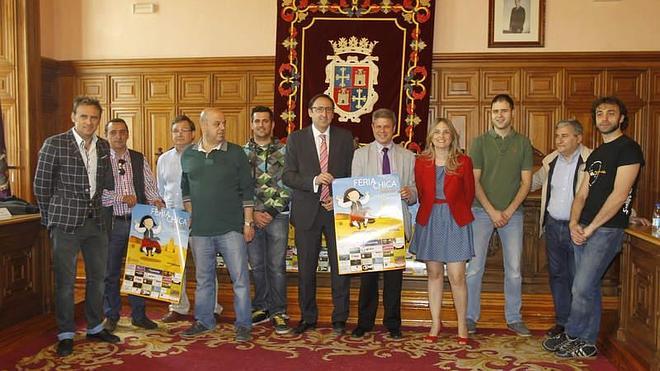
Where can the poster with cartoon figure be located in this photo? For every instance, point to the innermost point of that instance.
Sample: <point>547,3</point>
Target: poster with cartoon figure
<point>156,254</point>
<point>369,224</point>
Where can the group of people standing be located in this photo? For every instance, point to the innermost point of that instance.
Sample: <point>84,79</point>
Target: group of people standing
<point>242,199</point>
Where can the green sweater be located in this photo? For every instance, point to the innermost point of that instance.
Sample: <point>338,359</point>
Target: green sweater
<point>219,185</point>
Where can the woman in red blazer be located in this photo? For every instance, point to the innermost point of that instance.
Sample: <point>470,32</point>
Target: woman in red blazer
<point>443,233</point>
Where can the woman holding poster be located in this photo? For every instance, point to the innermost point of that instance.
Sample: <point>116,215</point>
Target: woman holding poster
<point>443,234</point>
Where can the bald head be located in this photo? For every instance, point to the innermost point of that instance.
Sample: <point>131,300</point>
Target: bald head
<point>213,123</point>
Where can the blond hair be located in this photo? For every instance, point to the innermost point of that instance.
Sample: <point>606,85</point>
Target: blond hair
<point>452,164</point>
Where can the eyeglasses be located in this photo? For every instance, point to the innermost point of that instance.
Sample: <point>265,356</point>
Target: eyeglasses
<point>181,131</point>
<point>323,109</point>
<point>122,169</point>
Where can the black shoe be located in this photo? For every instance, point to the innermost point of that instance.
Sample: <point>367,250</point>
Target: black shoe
<point>338,327</point>
<point>358,332</point>
<point>554,331</point>
<point>304,326</point>
<point>64,347</point>
<point>395,333</point>
<point>145,323</point>
<point>110,324</point>
<point>105,336</point>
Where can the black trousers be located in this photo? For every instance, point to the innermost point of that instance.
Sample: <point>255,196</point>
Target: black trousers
<point>308,243</point>
<point>368,304</point>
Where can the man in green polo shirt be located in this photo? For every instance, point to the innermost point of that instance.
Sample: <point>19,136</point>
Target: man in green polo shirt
<point>502,160</point>
<point>218,191</point>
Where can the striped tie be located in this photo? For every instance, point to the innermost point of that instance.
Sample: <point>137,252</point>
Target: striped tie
<point>323,161</point>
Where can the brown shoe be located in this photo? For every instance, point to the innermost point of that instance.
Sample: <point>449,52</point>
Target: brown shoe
<point>173,317</point>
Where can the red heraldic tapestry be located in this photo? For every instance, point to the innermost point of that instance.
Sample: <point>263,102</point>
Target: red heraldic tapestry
<point>365,54</point>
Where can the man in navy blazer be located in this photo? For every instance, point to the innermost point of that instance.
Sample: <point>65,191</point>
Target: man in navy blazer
<point>383,156</point>
<point>72,171</point>
<point>311,214</point>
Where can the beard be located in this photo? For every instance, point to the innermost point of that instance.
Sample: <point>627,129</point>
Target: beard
<point>612,130</point>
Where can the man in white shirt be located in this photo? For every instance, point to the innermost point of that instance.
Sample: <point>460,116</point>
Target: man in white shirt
<point>168,174</point>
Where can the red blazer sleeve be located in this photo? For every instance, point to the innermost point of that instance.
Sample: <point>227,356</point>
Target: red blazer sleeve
<point>468,178</point>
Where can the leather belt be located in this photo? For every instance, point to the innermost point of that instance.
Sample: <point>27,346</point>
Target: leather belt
<point>126,217</point>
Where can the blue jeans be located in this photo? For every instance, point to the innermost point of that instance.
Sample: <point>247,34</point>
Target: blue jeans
<point>591,262</point>
<point>117,247</point>
<point>561,266</point>
<point>267,254</point>
<point>511,236</point>
<point>93,243</point>
<point>234,251</point>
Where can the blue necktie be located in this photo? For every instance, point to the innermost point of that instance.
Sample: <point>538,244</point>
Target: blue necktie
<point>386,162</point>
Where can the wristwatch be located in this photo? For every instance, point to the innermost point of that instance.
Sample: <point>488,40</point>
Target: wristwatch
<point>249,224</point>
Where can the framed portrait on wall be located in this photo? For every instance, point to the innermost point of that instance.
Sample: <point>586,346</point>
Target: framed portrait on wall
<point>516,23</point>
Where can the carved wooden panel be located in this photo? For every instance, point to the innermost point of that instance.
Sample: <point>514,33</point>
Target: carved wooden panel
<point>262,88</point>
<point>194,88</point>
<point>628,85</point>
<point>94,86</point>
<point>159,138</point>
<point>466,121</point>
<point>583,85</point>
<point>193,112</point>
<point>159,89</point>
<point>582,113</point>
<point>7,32</point>
<point>238,126</point>
<point>655,85</point>
<point>126,89</point>
<point>229,88</point>
<point>133,118</point>
<point>542,85</point>
<point>19,272</point>
<point>540,120</point>
<point>459,85</point>
<point>500,81</point>
<point>7,83</point>
<point>435,84</point>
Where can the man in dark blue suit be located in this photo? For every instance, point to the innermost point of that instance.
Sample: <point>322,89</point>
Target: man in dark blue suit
<point>72,171</point>
<point>315,156</point>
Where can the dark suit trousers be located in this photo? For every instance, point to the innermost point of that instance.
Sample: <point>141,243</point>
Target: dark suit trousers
<point>308,243</point>
<point>368,304</point>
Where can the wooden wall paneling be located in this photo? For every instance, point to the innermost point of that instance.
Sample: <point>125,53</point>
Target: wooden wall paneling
<point>652,168</point>
<point>435,85</point>
<point>158,135</point>
<point>654,79</point>
<point>13,144</point>
<point>126,89</point>
<point>583,84</point>
<point>238,126</point>
<point>582,113</point>
<point>542,85</point>
<point>540,120</point>
<point>193,112</point>
<point>194,88</point>
<point>7,82</point>
<point>500,81</point>
<point>229,88</point>
<point>628,85</point>
<point>459,84</point>
<point>466,120</point>
<point>159,89</point>
<point>7,32</point>
<point>94,86</point>
<point>262,89</point>
<point>136,129</point>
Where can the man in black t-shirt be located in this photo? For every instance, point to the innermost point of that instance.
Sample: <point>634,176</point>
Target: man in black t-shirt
<point>599,214</point>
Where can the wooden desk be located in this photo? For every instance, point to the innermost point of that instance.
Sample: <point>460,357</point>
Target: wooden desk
<point>25,269</point>
<point>637,343</point>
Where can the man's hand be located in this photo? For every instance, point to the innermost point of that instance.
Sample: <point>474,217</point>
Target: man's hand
<point>405,193</point>
<point>498,218</point>
<point>262,219</point>
<point>327,204</point>
<point>324,178</point>
<point>639,220</point>
<point>159,204</point>
<point>129,200</point>
<point>577,234</point>
<point>248,233</point>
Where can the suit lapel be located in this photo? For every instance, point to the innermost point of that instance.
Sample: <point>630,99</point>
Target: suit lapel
<point>310,143</point>
<point>372,159</point>
<point>75,150</point>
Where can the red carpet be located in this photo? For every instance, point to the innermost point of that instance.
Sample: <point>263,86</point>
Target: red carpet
<point>165,349</point>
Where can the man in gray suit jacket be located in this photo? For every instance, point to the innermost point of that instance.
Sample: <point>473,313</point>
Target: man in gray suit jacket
<point>315,156</point>
<point>382,156</point>
<point>72,171</point>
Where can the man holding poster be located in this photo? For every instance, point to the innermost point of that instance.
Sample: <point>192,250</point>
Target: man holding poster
<point>134,183</point>
<point>382,157</point>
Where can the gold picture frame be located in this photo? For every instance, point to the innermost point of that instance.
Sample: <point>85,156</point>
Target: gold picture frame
<point>516,23</point>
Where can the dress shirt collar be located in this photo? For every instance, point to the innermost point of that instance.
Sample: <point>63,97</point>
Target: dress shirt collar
<point>114,154</point>
<point>573,157</point>
<point>80,142</point>
<point>388,146</point>
<point>222,146</point>
<point>317,133</point>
